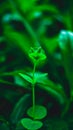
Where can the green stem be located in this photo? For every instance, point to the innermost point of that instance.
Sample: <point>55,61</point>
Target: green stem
<point>33,91</point>
<point>33,100</point>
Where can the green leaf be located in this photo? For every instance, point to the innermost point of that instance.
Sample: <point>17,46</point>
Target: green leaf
<point>39,75</point>
<point>40,112</point>
<point>2,119</point>
<point>55,90</point>
<point>19,39</point>
<point>26,77</point>
<point>42,8</point>
<point>66,46</point>
<point>57,124</point>
<point>31,124</point>
<point>46,84</point>
<point>19,109</point>
<point>25,5</point>
<point>4,126</point>
<point>9,93</point>
<point>50,44</point>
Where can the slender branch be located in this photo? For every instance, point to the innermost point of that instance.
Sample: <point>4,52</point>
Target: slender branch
<point>33,91</point>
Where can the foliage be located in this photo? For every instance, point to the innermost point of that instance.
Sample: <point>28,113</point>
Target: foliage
<point>36,65</point>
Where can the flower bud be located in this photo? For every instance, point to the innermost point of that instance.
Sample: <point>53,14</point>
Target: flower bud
<point>37,55</point>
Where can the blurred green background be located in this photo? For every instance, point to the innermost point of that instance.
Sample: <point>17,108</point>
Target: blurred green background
<point>37,23</point>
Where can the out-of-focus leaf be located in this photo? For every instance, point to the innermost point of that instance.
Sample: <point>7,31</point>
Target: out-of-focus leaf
<point>50,44</point>
<point>56,124</point>
<point>22,84</point>
<point>19,109</point>
<point>5,82</point>
<point>43,15</point>
<point>18,80</point>
<point>19,126</point>
<point>2,119</point>
<point>9,94</point>
<point>24,40</point>
<point>25,6</point>
<point>53,89</point>
<point>43,8</point>
<point>66,45</point>
<point>4,126</point>
<point>11,73</point>
<point>20,40</point>
<point>4,6</point>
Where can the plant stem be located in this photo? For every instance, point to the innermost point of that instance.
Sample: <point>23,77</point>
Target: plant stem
<point>33,91</point>
<point>33,100</point>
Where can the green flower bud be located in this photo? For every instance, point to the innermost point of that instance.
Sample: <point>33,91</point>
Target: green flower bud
<point>37,55</point>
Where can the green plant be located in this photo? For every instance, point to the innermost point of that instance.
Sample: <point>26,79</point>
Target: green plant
<point>30,83</point>
<point>36,111</point>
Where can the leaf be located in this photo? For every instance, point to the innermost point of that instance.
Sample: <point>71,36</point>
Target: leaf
<point>50,44</point>
<point>40,112</point>
<point>2,119</point>
<point>41,8</point>
<point>24,5</point>
<point>31,124</point>
<point>19,38</point>
<point>26,77</point>
<point>54,90</point>
<point>56,124</point>
<point>39,75</point>
<point>9,93</point>
<point>11,73</point>
<point>66,46</point>
<point>20,108</point>
<point>4,126</point>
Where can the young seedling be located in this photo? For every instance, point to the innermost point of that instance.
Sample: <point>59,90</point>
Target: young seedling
<point>36,112</point>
